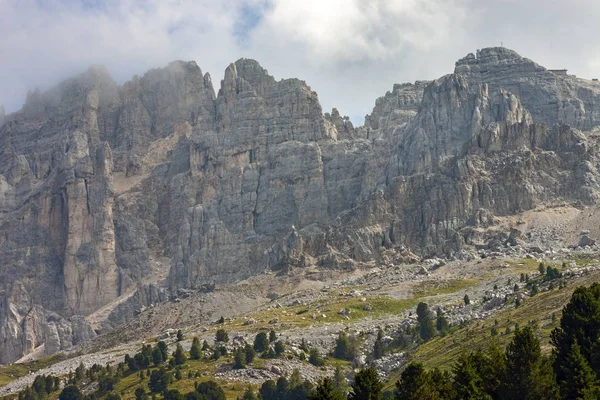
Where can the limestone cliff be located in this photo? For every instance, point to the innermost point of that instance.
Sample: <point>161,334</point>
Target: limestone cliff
<point>104,189</point>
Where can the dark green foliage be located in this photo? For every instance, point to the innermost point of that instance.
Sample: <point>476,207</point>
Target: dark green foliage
<point>239,358</point>
<point>179,355</point>
<point>342,347</point>
<point>415,384</point>
<point>70,393</point>
<point>426,328</point>
<point>304,346</point>
<point>140,394</point>
<point>250,353</point>
<point>179,335</point>
<point>163,350</point>
<point>113,396</point>
<point>221,320</point>
<point>261,342</point>
<point>516,288</point>
<point>378,348</point>
<point>39,386</point>
<point>173,394</point>
<point>205,345</point>
<point>279,348</point>
<point>210,390</point>
<point>578,379</point>
<point>534,290</point>
<point>580,323</point>
<point>269,353</point>
<point>195,350</point>
<point>106,382</point>
<point>268,390</point>
<point>221,336</point>
<point>315,358</point>
<point>272,336</point>
<point>466,299</point>
<point>366,386</point>
<point>441,323</point>
<point>467,383</point>
<point>326,390</point>
<point>178,375</point>
<point>159,380</point>
<point>552,273</point>
<point>528,375</point>
<point>542,268</point>
<point>249,394</point>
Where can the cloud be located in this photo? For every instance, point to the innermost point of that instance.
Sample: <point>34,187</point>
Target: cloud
<point>349,51</point>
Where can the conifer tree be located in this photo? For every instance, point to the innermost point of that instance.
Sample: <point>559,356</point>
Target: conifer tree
<point>326,390</point>
<point>179,355</point>
<point>366,386</point>
<point>378,348</point>
<point>578,379</point>
<point>426,329</point>
<point>195,351</point>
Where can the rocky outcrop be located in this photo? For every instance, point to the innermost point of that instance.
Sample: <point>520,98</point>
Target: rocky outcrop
<point>103,188</point>
<point>27,326</point>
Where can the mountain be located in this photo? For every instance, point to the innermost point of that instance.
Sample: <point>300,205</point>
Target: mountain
<point>115,197</point>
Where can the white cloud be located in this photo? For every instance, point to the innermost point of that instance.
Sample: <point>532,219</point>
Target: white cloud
<point>349,51</point>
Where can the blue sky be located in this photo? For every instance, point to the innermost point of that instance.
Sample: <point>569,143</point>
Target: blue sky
<point>349,51</point>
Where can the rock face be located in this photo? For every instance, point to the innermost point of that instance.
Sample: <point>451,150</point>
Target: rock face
<point>105,187</point>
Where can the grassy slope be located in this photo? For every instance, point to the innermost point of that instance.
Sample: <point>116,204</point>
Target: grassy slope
<point>441,351</point>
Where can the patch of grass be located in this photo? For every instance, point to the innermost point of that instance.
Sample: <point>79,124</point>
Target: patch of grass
<point>536,311</point>
<point>441,287</point>
<point>127,385</point>
<point>9,373</point>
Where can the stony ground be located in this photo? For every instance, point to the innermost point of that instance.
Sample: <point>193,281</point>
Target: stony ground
<point>316,305</point>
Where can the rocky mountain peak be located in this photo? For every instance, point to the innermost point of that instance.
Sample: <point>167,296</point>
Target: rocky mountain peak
<point>103,187</point>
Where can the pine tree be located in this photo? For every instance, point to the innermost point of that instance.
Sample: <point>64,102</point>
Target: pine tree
<point>414,384</point>
<point>239,358</point>
<point>378,350</point>
<point>339,380</point>
<point>441,323</point>
<point>250,353</point>
<point>579,323</point>
<point>315,357</point>
<point>70,393</point>
<point>157,357</point>
<point>249,394</point>
<point>467,382</point>
<point>523,358</point>
<point>195,351</point>
<point>279,348</point>
<point>272,336</point>
<point>542,269</point>
<point>326,390</point>
<point>140,394</point>
<point>342,345</point>
<point>426,329</point>
<point>179,335</point>
<point>261,342</point>
<point>179,355</point>
<point>159,380</point>
<point>466,299</point>
<point>366,386</point>
<point>578,377</point>
<point>221,336</point>
<point>163,349</point>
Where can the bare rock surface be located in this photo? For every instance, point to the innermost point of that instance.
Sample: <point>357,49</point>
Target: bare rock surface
<point>113,198</point>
